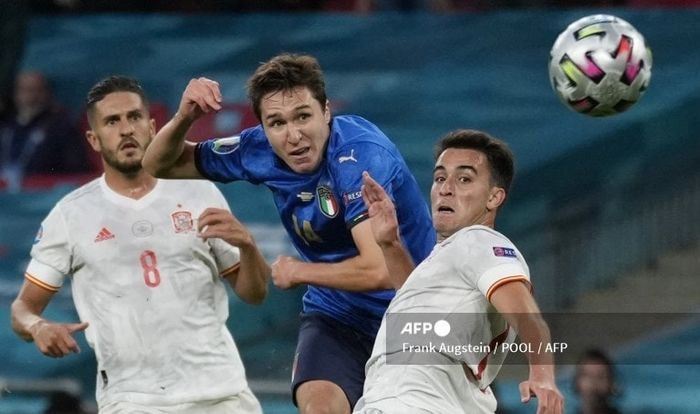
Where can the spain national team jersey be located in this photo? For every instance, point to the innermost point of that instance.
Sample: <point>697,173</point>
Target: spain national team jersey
<point>149,287</point>
<point>319,209</point>
<point>457,279</point>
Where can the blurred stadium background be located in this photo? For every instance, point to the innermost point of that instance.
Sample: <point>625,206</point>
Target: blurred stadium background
<point>607,211</point>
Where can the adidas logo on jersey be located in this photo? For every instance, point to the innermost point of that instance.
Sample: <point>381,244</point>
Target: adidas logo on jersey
<point>103,235</point>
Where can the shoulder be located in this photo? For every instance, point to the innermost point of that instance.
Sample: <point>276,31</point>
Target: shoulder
<point>352,131</point>
<point>193,188</point>
<point>479,234</point>
<point>226,145</point>
<point>82,194</point>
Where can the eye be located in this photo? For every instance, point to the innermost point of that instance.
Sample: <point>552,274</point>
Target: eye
<point>276,123</point>
<point>465,179</point>
<point>136,116</point>
<point>438,179</point>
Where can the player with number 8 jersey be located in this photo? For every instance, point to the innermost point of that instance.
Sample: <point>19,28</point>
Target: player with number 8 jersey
<point>148,259</point>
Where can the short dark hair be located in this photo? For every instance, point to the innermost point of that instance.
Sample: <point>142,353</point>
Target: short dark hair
<point>283,73</point>
<point>115,83</point>
<point>499,155</point>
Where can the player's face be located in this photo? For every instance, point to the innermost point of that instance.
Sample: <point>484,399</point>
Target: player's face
<point>594,381</point>
<point>296,125</point>
<point>462,193</point>
<point>121,131</point>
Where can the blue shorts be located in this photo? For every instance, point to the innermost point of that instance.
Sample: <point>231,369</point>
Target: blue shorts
<point>332,351</point>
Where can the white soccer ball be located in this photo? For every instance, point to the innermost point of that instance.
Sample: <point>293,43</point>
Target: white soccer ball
<point>600,65</point>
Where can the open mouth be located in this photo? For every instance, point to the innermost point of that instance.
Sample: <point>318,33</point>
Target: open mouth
<point>299,152</point>
<point>129,145</point>
<point>445,209</point>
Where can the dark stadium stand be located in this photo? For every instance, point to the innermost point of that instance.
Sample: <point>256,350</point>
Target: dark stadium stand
<point>595,200</point>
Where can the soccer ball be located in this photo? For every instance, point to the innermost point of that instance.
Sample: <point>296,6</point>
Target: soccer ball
<point>600,65</point>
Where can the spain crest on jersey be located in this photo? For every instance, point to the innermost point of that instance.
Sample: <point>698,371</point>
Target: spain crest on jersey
<point>327,202</point>
<point>182,221</point>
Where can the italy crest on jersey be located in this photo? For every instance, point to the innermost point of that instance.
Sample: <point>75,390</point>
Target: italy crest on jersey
<point>327,202</point>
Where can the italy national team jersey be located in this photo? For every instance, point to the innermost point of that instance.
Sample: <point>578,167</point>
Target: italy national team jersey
<point>319,209</point>
<point>149,287</point>
<point>457,278</point>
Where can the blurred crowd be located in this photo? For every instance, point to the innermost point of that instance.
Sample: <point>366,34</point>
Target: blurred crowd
<point>40,141</point>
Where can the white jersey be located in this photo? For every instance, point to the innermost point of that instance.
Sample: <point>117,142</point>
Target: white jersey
<point>456,279</point>
<point>149,287</point>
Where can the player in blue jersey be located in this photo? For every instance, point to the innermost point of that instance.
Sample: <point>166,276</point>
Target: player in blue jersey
<point>313,163</point>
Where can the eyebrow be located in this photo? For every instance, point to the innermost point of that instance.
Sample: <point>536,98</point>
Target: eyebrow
<point>295,109</point>
<point>460,167</point>
<point>116,116</point>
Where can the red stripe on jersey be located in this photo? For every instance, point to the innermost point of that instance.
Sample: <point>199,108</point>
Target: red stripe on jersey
<point>494,344</point>
<point>228,272</point>
<point>504,281</point>
<point>41,284</point>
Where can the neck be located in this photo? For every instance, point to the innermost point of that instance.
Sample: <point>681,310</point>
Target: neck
<point>133,186</point>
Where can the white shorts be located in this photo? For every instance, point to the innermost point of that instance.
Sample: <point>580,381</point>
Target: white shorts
<point>241,403</point>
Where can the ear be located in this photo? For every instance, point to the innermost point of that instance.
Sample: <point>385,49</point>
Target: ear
<point>327,112</point>
<point>497,196</point>
<point>93,140</point>
<point>152,127</point>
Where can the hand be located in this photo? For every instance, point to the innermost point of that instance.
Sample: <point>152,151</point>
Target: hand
<point>201,96</point>
<point>382,213</point>
<point>222,224</point>
<point>284,270</point>
<point>55,339</point>
<point>548,396</point>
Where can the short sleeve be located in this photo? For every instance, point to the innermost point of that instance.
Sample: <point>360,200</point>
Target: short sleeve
<point>227,256</point>
<point>349,163</point>
<point>51,255</point>
<point>489,260</point>
<point>220,159</point>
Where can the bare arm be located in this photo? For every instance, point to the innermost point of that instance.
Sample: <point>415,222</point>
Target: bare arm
<point>363,272</point>
<point>385,229</point>
<point>52,339</point>
<point>169,155</point>
<point>515,302</point>
<point>249,279</point>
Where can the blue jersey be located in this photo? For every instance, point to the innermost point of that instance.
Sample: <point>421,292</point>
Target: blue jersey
<point>319,209</point>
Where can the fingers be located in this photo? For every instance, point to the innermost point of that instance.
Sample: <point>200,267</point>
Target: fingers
<point>77,327</point>
<point>212,216</point>
<point>373,190</point>
<point>205,93</point>
<point>222,224</point>
<point>549,399</point>
<point>524,388</point>
<point>55,340</point>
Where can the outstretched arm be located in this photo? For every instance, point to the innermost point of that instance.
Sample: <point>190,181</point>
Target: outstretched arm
<point>364,272</point>
<point>169,155</point>
<point>385,229</point>
<point>382,262</point>
<point>249,280</point>
<point>52,339</point>
<point>515,302</point>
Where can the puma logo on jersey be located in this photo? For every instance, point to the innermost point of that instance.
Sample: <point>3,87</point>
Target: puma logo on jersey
<point>350,157</point>
<point>103,235</point>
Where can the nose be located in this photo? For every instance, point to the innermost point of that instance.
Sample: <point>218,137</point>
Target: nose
<point>446,188</point>
<point>294,135</point>
<point>126,128</point>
